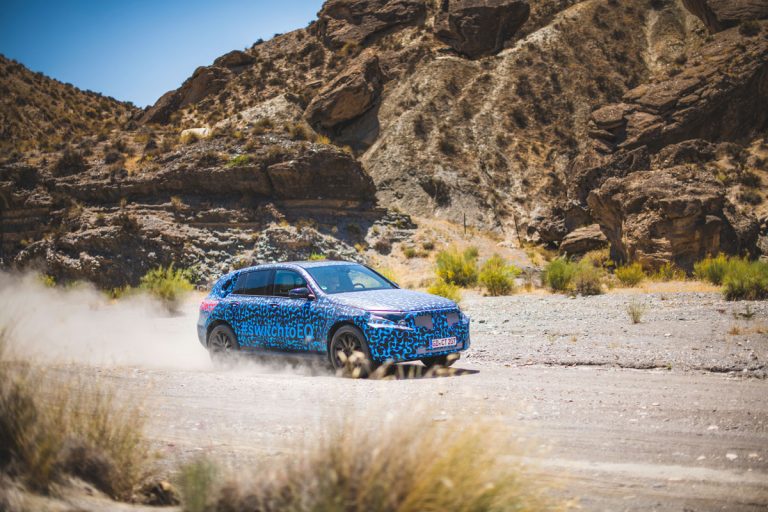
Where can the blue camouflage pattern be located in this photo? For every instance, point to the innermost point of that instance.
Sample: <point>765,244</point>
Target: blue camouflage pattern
<point>398,325</point>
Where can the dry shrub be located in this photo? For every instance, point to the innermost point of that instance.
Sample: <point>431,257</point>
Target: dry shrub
<point>635,310</point>
<point>50,428</point>
<point>402,467</point>
<point>630,275</point>
<point>445,289</point>
<point>168,284</point>
<point>498,276</point>
<point>588,279</point>
<point>457,268</point>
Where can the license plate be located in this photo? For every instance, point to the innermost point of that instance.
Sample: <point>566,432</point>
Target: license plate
<point>443,342</point>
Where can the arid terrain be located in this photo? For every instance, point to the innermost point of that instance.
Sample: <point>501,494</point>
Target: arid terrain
<point>667,414</point>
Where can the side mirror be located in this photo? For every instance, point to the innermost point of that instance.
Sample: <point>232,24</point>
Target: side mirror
<point>301,293</point>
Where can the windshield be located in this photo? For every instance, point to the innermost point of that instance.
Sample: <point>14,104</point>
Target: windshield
<point>348,278</point>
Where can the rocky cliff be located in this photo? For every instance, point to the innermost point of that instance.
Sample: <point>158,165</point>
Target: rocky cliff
<point>638,123</point>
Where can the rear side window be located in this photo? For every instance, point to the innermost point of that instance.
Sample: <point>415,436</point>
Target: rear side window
<point>254,283</point>
<point>287,280</point>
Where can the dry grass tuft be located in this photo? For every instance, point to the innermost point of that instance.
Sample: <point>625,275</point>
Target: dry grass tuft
<point>635,310</point>
<point>399,466</point>
<point>51,427</point>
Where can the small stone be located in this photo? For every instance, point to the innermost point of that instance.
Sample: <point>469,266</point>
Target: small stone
<point>731,456</point>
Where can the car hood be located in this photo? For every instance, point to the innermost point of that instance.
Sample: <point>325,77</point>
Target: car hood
<point>392,300</point>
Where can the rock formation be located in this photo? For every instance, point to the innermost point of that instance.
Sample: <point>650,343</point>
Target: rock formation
<point>479,27</point>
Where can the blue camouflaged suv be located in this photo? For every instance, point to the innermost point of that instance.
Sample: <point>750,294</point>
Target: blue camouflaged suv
<point>332,307</point>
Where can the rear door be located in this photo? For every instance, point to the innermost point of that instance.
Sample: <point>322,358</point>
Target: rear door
<point>251,301</point>
<point>299,322</point>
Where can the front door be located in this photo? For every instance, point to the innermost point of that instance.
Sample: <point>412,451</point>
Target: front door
<point>299,321</point>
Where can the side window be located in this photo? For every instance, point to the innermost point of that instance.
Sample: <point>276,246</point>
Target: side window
<point>253,283</point>
<point>287,280</point>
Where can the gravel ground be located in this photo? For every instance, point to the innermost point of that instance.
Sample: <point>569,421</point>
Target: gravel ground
<point>678,331</point>
<point>669,414</point>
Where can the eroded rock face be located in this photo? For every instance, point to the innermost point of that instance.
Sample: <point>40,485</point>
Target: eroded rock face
<point>721,96</point>
<point>355,22</point>
<point>719,15</point>
<point>348,96</point>
<point>661,215</point>
<point>205,81</point>
<point>479,27</point>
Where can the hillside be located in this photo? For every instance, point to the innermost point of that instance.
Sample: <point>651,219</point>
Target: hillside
<point>568,124</point>
<point>37,112</point>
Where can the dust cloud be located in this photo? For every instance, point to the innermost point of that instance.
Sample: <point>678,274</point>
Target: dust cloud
<point>81,325</point>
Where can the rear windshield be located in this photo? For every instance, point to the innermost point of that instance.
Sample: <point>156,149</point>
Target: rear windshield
<point>348,278</point>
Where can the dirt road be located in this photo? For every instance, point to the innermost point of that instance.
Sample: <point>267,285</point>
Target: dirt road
<point>669,414</point>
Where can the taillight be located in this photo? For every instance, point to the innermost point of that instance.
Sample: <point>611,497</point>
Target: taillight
<point>208,305</point>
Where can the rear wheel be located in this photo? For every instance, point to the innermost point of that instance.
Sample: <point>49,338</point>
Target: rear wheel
<point>348,352</point>
<point>222,343</point>
<point>446,360</point>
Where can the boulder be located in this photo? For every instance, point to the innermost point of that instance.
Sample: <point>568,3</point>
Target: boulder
<point>479,27</point>
<point>234,59</point>
<point>583,240</point>
<point>205,81</point>
<point>719,15</point>
<point>356,22</point>
<point>348,96</point>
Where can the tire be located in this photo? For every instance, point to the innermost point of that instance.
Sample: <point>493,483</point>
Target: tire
<point>348,340</point>
<point>446,360</point>
<point>222,343</point>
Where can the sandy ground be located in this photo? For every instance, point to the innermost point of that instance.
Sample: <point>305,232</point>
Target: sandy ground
<point>669,414</point>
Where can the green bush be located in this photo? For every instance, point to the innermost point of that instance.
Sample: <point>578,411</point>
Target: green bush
<point>167,284</point>
<point>558,274</point>
<point>239,160</point>
<point>458,268</point>
<point>497,276</point>
<point>196,483</point>
<point>630,275</point>
<point>588,279</point>
<point>669,272</point>
<point>746,280</point>
<point>445,289</point>
<point>711,269</point>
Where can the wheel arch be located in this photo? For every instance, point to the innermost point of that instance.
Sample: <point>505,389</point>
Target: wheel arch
<point>215,324</point>
<point>336,326</point>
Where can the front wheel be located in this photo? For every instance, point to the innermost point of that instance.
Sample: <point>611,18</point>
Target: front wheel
<point>348,352</point>
<point>222,343</point>
<point>446,360</point>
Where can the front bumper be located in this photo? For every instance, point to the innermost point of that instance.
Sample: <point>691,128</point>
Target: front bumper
<point>388,343</point>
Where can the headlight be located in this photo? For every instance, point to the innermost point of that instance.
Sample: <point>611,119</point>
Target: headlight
<point>381,319</point>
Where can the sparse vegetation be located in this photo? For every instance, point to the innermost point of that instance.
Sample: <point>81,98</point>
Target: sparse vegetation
<point>70,162</point>
<point>434,468</point>
<point>445,289</point>
<point>635,310</point>
<point>239,161</point>
<point>317,257</point>
<point>669,272</point>
<point>50,428</point>
<point>558,274</point>
<point>497,276</point>
<point>746,280</point>
<point>457,268</point>
<point>630,275</point>
<point>712,269</point>
<point>741,279</point>
<point>196,483</point>
<point>588,279</point>
<point>168,284</point>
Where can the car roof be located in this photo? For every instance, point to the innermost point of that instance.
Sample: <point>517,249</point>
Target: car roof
<point>301,264</point>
